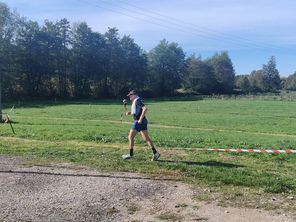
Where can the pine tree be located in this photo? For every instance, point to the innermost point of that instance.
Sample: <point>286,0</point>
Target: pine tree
<point>271,77</point>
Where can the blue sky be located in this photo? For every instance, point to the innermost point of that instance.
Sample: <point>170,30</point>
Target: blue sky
<point>251,31</point>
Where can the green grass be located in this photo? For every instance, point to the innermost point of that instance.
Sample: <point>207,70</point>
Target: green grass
<point>169,216</point>
<point>132,208</point>
<point>203,123</point>
<point>91,133</point>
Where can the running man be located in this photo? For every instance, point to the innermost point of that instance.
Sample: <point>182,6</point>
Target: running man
<point>138,110</point>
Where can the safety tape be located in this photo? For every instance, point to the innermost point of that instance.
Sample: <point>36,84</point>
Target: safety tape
<point>241,150</point>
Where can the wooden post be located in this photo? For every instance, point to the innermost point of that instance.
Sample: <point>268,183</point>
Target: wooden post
<point>0,97</point>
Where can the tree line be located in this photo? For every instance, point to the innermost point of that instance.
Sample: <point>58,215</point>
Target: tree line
<point>60,60</point>
<point>266,79</point>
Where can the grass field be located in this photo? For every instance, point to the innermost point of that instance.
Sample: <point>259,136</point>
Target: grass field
<point>92,133</point>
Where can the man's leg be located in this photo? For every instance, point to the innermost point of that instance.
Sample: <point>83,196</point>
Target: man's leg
<point>146,138</point>
<point>131,141</point>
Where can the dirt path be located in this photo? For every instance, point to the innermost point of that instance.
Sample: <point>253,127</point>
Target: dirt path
<point>65,192</point>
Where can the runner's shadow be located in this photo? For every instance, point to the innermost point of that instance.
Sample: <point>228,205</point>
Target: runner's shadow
<point>207,163</point>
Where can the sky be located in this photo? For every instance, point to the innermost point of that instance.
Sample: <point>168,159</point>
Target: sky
<point>251,31</point>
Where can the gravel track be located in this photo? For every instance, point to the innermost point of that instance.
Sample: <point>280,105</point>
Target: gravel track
<point>66,192</point>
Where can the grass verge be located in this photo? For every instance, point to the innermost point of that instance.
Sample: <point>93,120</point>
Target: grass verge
<point>230,179</point>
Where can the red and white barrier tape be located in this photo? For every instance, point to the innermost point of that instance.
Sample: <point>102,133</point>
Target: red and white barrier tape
<point>243,150</point>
